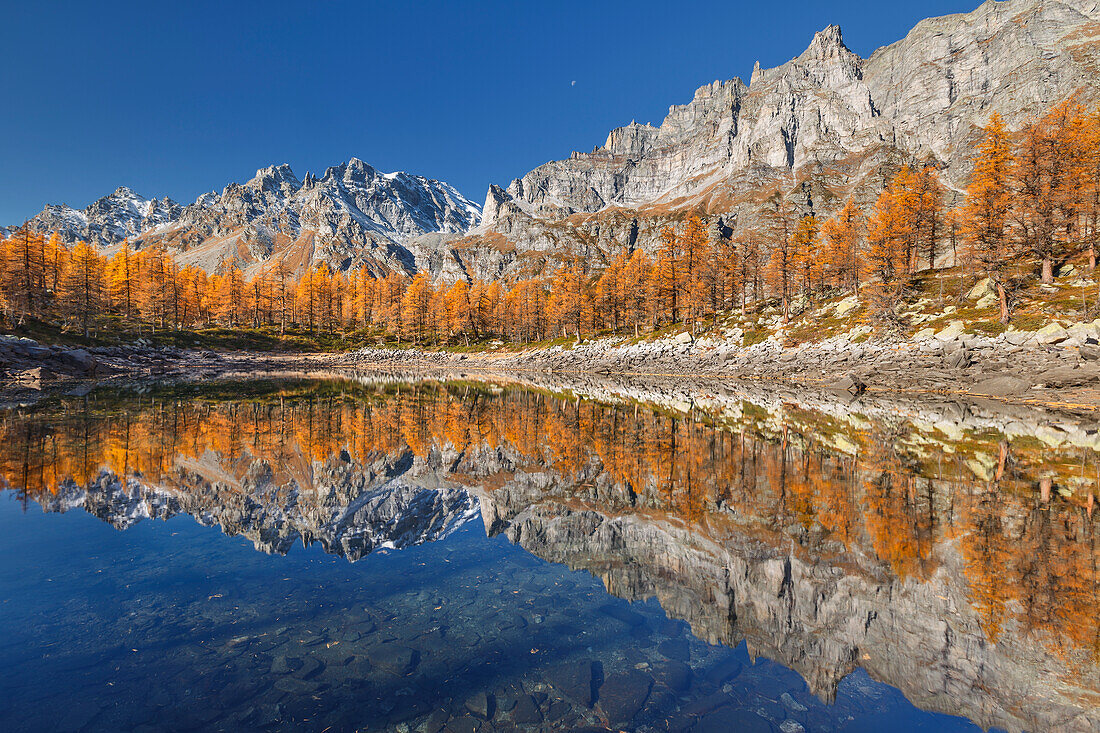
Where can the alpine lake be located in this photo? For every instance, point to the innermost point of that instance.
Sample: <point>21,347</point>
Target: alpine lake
<point>461,553</point>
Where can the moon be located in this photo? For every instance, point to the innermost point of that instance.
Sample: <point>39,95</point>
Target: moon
<point>573,83</point>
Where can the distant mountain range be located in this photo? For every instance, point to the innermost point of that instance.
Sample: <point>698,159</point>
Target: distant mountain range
<point>819,128</point>
<point>352,216</point>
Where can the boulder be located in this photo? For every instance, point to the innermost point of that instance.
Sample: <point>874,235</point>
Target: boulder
<point>1067,376</point>
<point>846,306</point>
<point>622,696</point>
<point>482,705</point>
<point>576,680</point>
<point>1052,333</point>
<point>924,334</point>
<point>683,338</point>
<point>981,289</point>
<point>38,352</point>
<point>859,331</point>
<point>987,301</point>
<point>397,659</point>
<point>850,384</point>
<point>1085,331</point>
<point>32,377</point>
<point>958,359</point>
<point>526,711</point>
<point>951,332</point>
<point>1003,386</point>
<point>79,361</point>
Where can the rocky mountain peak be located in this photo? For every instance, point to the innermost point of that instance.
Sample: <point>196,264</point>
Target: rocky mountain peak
<point>353,216</point>
<point>827,44</point>
<point>827,119</point>
<point>352,170</point>
<point>634,140</point>
<point>207,199</point>
<point>276,178</point>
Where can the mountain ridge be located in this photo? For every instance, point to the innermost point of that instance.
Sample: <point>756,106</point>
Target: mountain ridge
<point>246,224</point>
<point>822,127</point>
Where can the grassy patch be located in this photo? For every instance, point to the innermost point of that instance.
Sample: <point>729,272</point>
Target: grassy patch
<point>756,336</point>
<point>987,328</point>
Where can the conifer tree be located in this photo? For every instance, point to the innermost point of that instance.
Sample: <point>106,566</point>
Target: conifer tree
<point>783,261</point>
<point>82,286</point>
<point>416,305</point>
<point>985,216</point>
<point>668,277</point>
<point>843,234</point>
<point>123,281</point>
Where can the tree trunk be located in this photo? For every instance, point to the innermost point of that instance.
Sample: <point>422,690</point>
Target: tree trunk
<point>1048,271</point>
<point>1002,298</point>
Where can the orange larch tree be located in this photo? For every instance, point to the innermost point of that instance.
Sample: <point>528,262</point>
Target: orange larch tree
<point>843,249</point>
<point>985,216</point>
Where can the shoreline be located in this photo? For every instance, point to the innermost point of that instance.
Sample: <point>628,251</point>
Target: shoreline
<point>1045,370</point>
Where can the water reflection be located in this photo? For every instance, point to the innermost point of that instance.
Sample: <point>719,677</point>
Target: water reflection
<point>956,562</point>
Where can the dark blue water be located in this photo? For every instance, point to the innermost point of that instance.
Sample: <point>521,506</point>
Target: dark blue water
<point>169,625</point>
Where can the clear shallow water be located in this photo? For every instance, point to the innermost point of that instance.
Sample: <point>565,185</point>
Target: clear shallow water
<point>461,611</point>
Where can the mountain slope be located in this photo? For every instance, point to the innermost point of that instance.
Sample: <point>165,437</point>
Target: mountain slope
<point>823,126</point>
<point>108,220</point>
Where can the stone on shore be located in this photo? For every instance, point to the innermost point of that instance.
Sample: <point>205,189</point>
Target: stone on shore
<point>1004,386</point>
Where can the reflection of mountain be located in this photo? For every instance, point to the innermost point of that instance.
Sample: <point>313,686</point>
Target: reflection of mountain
<point>346,518</point>
<point>271,489</point>
<point>959,566</point>
<point>822,618</point>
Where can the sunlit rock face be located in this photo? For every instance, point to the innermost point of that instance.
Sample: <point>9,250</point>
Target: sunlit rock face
<point>820,128</point>
<point>117,216</point>
<point>956,561</point>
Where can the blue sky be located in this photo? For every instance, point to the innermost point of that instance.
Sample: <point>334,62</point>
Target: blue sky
<point>179,98</point>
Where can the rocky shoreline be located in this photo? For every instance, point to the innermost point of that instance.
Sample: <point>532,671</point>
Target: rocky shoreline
<point>1054,365</point>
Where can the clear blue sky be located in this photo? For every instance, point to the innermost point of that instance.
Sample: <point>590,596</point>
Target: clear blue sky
<point>180,98</point>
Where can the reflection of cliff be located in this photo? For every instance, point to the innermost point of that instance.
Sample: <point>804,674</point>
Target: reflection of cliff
<point>823,618</point>
<point>962,569</point>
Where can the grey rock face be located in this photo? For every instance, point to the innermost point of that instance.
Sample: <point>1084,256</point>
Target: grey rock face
<point>352,216</point>
<point>823,126</point>
<point>821,618</point>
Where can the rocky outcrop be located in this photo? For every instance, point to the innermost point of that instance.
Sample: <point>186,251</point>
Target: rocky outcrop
<point>108,220</point>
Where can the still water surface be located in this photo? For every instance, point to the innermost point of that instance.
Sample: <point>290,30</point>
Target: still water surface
<point>331,555</point>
